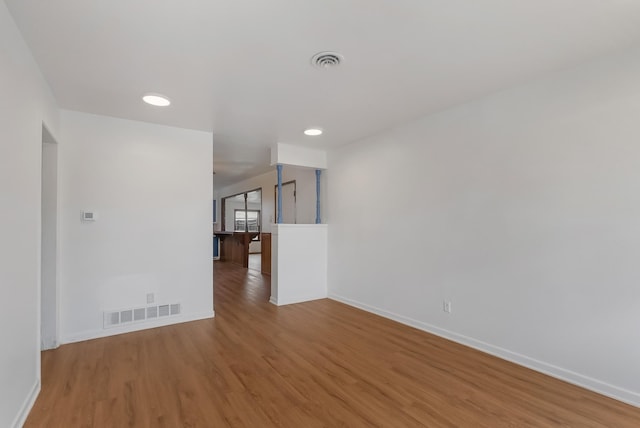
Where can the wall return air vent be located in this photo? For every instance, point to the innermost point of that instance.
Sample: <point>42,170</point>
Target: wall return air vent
<point>135,315</point>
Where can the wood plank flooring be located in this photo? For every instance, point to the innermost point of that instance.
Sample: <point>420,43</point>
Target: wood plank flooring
<point>317,364</point>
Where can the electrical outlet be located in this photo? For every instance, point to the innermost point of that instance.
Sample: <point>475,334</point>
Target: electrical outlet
<point>150,298</point>
<point>446,306</point>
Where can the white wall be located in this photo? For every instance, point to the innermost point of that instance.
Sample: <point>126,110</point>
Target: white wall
<point>25,104</point>
<point>522,209</point>
<point>151,189</point>
<point>305,192</point>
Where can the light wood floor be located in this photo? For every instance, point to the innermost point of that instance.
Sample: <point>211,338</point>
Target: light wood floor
<point>318,364</point>
<point>254,262</point>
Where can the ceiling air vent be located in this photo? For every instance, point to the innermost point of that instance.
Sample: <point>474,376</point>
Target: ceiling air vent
<point>326,59</point>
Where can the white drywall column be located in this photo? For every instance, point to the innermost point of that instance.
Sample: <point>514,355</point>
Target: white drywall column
<point>298,251</point>
<point>298,263</point>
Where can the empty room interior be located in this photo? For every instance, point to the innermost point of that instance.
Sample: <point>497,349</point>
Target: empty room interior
<point>320,213</point>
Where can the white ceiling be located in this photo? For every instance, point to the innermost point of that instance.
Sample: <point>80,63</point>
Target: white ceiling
<point>240,68</point>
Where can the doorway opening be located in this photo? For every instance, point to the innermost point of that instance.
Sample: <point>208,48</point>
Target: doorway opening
<point>49,317</point>
<point>242,219</point>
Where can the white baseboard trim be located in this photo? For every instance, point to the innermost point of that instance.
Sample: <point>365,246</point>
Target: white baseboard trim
<point>96,334</point>
<point>21,417</point>
<point>48,343</point>
<point>296,299</point>
<point>595,385</point>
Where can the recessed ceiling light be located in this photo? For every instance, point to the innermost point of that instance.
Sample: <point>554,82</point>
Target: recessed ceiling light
<point>156,100</point>
<point>313,132</point>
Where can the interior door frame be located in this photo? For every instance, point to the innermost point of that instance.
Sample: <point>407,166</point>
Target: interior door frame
<point>49,248</point>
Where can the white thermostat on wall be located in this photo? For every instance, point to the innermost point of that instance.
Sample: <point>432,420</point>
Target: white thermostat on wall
<point>88,216</point>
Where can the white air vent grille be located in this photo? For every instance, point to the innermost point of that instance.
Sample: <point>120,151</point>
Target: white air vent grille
<point>326,59</point>
<point>163,310</point>
<point>111,318</point>
<point>138,314</point>
<point>128,316</point>
<point>175,309</point>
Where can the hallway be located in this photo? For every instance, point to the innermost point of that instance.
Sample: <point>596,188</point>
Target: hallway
<point>308,365</point>
<point>254,261</point>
